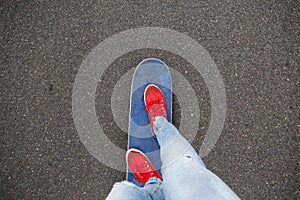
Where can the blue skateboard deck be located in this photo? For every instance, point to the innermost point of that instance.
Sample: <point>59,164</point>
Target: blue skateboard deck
<point>149,71</point>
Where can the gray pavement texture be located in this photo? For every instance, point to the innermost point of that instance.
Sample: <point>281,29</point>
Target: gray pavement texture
<point>255,45</point>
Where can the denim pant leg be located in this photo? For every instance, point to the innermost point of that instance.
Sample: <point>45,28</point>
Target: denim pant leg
<point>128,191</point>
<point>184,173</point>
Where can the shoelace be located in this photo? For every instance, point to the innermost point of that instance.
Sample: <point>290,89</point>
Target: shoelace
<point>143,171</point>
<point>158,101</point>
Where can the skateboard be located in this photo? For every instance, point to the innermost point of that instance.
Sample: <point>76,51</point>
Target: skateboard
<point>149,71</point>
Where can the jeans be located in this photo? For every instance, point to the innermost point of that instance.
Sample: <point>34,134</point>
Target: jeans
<point>184,173</point>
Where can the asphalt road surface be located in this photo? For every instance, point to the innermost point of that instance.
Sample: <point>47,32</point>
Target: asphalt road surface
<point>255,45</point>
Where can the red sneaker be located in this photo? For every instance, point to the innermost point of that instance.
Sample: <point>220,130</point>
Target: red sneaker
<point>155,104</point>
<point>140,166</point>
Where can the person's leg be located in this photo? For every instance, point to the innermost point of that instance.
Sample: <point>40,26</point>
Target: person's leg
<point>128,191</point>
<point>183,171</point>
